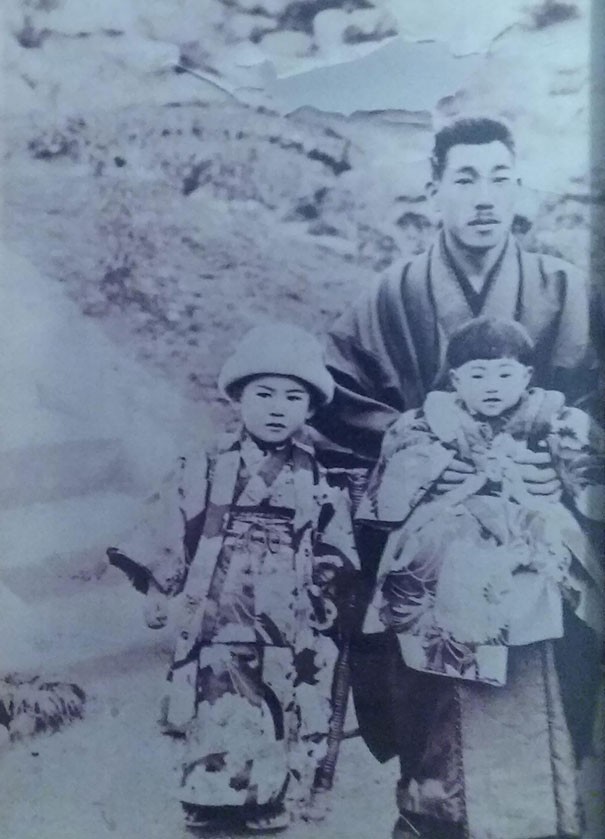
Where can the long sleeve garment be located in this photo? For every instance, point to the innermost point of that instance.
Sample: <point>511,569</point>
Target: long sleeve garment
<point>251,541</point>
<point>495,601</point>
<point>387,351</point>
<point>485,566</point>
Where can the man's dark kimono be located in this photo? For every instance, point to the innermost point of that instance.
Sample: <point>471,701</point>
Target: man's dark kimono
<point>386,353</point>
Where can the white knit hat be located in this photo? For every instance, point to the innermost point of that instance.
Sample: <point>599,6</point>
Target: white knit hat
<point>278,349</point>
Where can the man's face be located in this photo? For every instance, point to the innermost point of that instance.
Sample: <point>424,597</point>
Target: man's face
<point>274,407</point>
<point>491,386</point>
<point>477,193</point>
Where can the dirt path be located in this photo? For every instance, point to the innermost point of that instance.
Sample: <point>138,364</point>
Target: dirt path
<point>109,776</point>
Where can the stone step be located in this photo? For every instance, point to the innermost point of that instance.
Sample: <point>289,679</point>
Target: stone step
<point>102,627</point>
<point>58,549</point>
<point>47,531</point>
<point>48,472</point>
<point>60,575</point>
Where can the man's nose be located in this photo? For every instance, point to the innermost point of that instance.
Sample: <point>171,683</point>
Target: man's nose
<point>484,197</point>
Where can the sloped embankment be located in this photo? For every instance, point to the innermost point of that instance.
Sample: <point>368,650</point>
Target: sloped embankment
<point>86,435</point>
<point>177,227</point>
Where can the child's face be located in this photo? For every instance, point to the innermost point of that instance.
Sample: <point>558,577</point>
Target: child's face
<point>274,407</point>
<point>491,386</point>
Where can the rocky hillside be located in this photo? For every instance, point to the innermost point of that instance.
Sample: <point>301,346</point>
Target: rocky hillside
<point>177,227</point>
<point>119,47</point>
<point>141,172</point>
<point>148,175</point>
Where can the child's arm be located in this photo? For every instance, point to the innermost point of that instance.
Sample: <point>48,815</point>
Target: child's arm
<point>156,554</point>
<point>412,460</point>
<point>335,559</point>
<point>334,553</point>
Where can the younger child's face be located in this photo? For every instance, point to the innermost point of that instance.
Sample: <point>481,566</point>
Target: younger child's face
<point>491,386</point>
<point>273,408</point>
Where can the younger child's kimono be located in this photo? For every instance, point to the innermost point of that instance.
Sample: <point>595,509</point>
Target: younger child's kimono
<point>473,582</point>
<point>253,542</point>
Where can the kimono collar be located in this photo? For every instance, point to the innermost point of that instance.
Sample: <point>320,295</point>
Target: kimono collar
<point>448,416</point>
<point>234,447</point>
<point>475,299</point>
<point>241,439</point>
<point>454,299</point>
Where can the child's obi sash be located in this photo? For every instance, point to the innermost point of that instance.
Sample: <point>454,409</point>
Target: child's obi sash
<point>252,596</point>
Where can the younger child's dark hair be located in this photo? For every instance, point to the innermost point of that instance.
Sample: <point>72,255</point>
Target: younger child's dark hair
<point>489,338</point>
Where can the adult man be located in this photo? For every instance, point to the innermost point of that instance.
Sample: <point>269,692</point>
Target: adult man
<point>387,352</point>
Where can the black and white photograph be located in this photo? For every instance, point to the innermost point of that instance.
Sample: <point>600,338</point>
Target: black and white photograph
<point>302,452</point>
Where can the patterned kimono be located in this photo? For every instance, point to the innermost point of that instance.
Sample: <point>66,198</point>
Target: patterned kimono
<point>475,584</point>
<point>254,542</point>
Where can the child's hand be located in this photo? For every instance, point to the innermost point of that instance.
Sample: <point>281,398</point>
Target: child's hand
<point>155,611</point>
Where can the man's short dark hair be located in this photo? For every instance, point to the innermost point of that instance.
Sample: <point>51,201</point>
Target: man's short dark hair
<point>489,338</point>
<point>468,131</point>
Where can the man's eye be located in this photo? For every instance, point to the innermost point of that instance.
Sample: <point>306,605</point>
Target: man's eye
<point>464,181</point>
<point>505,375</point>
<point>294,398</point>
<point>263,395</point>
<point>476,376</point>
<point>502,180</point>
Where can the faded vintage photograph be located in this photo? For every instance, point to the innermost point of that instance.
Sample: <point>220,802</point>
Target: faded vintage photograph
<point>302,452</point>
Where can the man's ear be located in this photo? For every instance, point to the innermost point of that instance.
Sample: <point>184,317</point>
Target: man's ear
<point>430,189</point>
<point>453,376</point>
<point>530,373</point>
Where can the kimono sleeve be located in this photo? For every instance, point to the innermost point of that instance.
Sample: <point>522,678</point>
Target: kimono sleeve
<point>335,543</point>
<point>411,460</point>
<point>366,399</point>
<point>159,549</point>
<point>577,445</point>
<point>574,356</point>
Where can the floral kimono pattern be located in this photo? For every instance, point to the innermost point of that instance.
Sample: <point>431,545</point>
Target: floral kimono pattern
<point>254,543</point>
<point>467,574</point>
<point>471,582</point>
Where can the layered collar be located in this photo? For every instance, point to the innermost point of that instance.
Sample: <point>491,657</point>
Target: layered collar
<point>252,450</point>
<point>284,476</point>
<point>454,298</point>
<point>451,421</point>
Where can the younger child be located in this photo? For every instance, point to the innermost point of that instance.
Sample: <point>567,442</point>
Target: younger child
<point>254,540</point>
<point>479,580</point>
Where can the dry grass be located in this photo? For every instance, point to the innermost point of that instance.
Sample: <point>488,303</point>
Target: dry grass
<point>32,706</point>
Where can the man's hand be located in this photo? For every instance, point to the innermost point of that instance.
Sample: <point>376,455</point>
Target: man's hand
<point>456,473</point>
<point>536,469</point>
<point>538,474</point>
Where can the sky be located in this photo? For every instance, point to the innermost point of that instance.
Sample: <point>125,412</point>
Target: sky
<point>400,74</point>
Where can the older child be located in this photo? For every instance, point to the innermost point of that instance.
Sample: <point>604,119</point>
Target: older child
<point>477,583</point>
<point>253,538</point>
